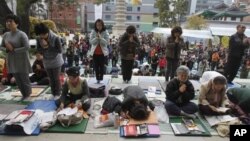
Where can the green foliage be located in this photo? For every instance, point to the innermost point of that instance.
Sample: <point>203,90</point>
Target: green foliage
<point>98,2</point>
<point>34,21</point>
<point>196,22</point>
<point>170,17</point>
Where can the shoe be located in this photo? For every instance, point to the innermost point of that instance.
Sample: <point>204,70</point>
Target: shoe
<point>25,97</point>
<point>56,97</point>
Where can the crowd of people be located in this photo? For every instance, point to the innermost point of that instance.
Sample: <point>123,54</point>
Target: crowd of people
<point>130,54</point>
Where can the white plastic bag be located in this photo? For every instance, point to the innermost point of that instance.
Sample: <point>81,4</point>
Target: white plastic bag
<point>104,120</point>
<point>161,114</point>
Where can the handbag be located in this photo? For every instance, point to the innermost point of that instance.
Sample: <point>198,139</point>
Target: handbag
<point>111,104</point>
<point>97,92</point>
<point>115,90</point>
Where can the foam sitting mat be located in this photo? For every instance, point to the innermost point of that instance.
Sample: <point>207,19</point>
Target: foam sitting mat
<point>36,91</point>
<point>78,128</point>
<point>179,129</point>
<point>146,82</point>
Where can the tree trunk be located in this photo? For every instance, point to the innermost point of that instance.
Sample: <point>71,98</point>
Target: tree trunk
<point>24,19</point>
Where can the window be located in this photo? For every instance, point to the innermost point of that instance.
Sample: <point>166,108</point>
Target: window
<point>155,15</point>
<point>138,8</point>
<point>137,26</point>
<point>129,18</point>
<point>129,8</point>
<point>233,18</point>
<point>138,18</point>
<point>155,24</point>
<point>107,8</point>
<point>107,17</point>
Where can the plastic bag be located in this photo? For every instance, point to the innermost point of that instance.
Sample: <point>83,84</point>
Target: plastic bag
<point>161,114</point>
<point>104,120</point>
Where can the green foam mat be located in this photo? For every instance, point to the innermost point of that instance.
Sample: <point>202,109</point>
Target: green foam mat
<point>177,119</point>
<point>79,128</point>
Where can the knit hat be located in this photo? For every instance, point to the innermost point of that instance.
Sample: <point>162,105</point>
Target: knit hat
<point>73,71</point>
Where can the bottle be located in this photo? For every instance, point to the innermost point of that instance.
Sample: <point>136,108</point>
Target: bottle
<point>116,120</point>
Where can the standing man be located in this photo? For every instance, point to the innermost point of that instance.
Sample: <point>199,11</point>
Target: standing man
<point>237,44</point>
<point>16,44</point>
<point>128,44</point>
<point>49,44</point>
<point>173,51</point>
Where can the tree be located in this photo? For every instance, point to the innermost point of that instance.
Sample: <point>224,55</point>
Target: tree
<point>23,7</point>
<point>196,22</point>
<point>180,10</point>
<point>164,14</point>
<point>98,2</point>
<point>171,11</point>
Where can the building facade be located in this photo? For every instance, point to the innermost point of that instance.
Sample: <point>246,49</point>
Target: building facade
<point>206,4</point>
<point>65,15</point>
<point>143,16</point>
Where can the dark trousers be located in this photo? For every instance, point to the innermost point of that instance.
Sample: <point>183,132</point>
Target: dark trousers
<point>174,109</point>
<point>99,62</point>
<point>72,99</point>
<point>172,65</point>
<point>231,68</point>
<point>41,80</point>
<point>127,66</point>
<point>23,83</point>
<point>206,110</point>
<point>54,79</point>
<point>214,65</point>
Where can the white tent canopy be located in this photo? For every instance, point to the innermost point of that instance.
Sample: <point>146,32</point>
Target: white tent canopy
<point>206,34</point>
<point>221,31</point>
<point>203,34</point>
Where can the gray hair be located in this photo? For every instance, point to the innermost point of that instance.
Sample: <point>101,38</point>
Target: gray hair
<point>182,69</point>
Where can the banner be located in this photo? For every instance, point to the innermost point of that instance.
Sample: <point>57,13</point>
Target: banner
<point>98,12</point>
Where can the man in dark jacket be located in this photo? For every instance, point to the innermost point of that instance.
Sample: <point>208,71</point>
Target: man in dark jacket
<point>179,92</point>
<point>127,45</point>
<point>237,45</point>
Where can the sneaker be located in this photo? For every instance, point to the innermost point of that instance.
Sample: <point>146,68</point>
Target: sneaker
<point>56,97</point>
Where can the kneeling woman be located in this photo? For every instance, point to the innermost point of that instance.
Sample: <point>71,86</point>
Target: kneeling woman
<point>75,88</point>
<point>179,92</point>
<point>213,96</point>
<point>135,103</point>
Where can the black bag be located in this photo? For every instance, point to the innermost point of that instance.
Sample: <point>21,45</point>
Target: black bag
<point>115,91</point>
<point>96,92</point>
<point>112,104</point>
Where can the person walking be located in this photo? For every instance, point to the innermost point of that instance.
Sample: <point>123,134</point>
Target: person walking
<point>16,44</point>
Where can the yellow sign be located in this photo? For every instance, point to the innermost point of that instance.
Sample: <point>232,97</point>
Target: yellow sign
<point>225,41</point>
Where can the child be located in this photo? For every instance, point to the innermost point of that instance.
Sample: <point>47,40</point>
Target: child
<point>40,75</point>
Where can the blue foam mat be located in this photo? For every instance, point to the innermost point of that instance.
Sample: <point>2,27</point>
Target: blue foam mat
<point>45,105</point>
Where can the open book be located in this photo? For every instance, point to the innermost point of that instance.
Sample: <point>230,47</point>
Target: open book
<point>187,126</point>
<point>214,120</point>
